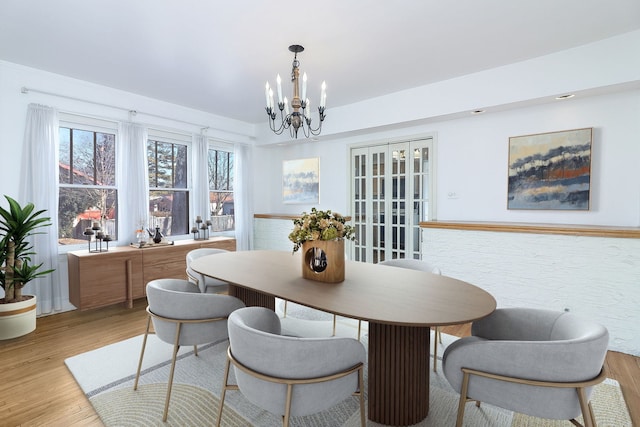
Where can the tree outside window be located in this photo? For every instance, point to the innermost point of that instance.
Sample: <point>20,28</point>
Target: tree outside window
<point>88,192</point>
<point>221,201</point>
<point>168,195</point>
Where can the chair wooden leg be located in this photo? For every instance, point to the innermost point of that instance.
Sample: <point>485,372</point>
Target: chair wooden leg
<point>195,350</point>
<point>437,339</point>
<point>463,399</point>
<point>593,415</point>
<point>334,325</point>
<point>584,406</point>
<point>359,328</point>
<point>287,408</point>
<point>224,391</point>
<point>144,344</point>
<point>363,418</point>
<point>435,349</point>
<point>285,309</point>
<point>176,348</point>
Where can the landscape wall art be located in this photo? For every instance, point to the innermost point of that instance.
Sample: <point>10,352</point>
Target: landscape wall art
<point>301,181</point>
<point>550,170</point>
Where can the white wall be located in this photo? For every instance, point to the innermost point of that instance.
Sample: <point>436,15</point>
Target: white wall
<point>334,167</point>
<point>472,157</point>
<point>472,150</point>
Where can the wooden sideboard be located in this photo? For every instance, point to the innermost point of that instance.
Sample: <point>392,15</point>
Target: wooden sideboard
<point>121,274</point>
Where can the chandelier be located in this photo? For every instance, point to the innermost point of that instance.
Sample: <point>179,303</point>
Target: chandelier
<point>298,114</point>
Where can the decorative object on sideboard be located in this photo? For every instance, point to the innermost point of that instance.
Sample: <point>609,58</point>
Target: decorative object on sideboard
<point>157,236</point>
<point>95,234</point>
<point>141,236</point>
<point>201,230</point>
<point>321,235</point>
<point>300,117</point>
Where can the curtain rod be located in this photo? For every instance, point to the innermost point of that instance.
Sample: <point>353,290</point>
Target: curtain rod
<point>132,112</point>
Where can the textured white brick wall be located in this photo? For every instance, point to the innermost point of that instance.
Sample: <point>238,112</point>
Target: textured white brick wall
<point>272,234</point>
<point>595,277</point>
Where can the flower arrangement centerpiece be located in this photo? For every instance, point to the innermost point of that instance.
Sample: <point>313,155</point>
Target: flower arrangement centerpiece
<point>321,235</point>
<point>320,225</point>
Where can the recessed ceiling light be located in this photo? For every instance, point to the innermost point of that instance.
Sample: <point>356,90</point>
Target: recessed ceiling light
<point>565,96</point>
<point>477,112</point>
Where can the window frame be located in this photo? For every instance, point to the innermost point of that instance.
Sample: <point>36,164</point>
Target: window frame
<point>169,137</point>
<point>227,148</point>
<point>94,125</point>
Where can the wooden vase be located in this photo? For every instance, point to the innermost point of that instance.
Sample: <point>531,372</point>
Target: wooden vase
<point>323,260</point>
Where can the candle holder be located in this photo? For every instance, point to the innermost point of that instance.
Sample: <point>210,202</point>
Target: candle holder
<point>201,230</point>
<point>100,236</point>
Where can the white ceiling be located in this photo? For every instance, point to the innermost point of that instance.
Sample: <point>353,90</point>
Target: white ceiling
<point>216,56</point>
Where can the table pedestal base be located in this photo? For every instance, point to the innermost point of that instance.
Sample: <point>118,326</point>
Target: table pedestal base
<point>252,298</point>
<point>398,374</point>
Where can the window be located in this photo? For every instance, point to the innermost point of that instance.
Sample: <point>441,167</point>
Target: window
<point>168,187</point>
<point>221,190</point>
<point>88,194</point>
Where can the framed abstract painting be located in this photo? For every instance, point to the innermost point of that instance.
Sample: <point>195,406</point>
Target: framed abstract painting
<point>301,181</point>
<point>550,170</point>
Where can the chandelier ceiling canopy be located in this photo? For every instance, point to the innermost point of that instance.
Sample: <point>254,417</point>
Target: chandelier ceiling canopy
<point>295,114</point>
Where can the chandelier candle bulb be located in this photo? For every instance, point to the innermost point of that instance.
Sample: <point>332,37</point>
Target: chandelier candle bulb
<point>323,94</point>
<point>304,86</point>
<point>286,106</point>
<point>279,86</point>
<point>266,93</point>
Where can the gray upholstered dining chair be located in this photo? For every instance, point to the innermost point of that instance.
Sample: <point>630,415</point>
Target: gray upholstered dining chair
<point>290,376</point>
<point>537,362</point>
<point>181,316</point>
<point>204,283</point>
<point>416,264</point>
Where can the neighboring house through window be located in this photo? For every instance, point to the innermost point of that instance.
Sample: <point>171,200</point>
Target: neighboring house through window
<point>88,193</point>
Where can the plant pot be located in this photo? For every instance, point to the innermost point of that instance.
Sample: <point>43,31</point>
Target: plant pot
<point>323,260</point>
<point>17,318</point>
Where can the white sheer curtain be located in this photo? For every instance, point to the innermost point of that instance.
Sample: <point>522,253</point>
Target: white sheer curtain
<point>243,205</point>
<point>200,177</point>
<point>133,180</point>
<point>39,185</point>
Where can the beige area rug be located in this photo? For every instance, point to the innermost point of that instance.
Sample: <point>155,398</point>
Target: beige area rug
<point>106,377</point>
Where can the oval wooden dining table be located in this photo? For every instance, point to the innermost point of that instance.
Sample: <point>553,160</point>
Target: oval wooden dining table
<point>400,305</point>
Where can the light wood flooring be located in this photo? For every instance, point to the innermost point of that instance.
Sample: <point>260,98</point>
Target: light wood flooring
<point>36,388</point>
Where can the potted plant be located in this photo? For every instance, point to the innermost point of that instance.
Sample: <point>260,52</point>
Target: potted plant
<point>18,311</point>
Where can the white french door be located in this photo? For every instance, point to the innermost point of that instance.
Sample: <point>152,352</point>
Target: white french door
<point>392,190</point>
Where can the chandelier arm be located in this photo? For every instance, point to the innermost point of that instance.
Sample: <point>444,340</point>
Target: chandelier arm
<point>272,123</point>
